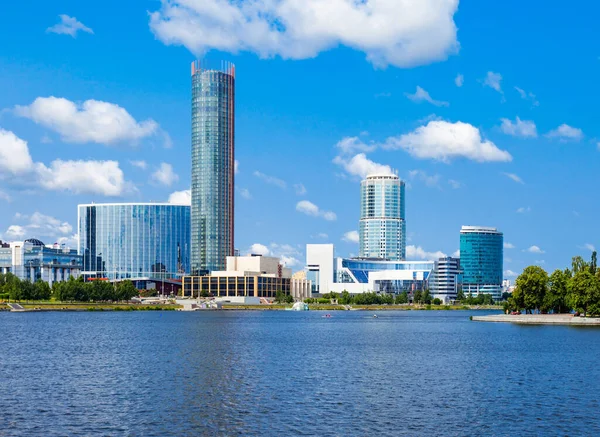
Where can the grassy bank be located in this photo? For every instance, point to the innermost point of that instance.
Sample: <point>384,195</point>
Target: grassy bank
<point>90,306</point>
<point>332,307</point>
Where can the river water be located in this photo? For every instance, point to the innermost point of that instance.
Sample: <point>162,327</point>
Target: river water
<point>294,373</point>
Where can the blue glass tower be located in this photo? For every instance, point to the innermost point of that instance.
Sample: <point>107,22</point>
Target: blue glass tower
<point>213,166</point>
<point>382,222</point>
<point>482,259</point>
<point>134,240</point>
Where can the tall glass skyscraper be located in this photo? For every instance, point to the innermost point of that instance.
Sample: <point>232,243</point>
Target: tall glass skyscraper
<point>482,259</point>
<point>134,240</point>
<point>382,221</point>
<point>213,165</point>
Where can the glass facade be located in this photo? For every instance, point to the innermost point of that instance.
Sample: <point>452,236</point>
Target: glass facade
<point>213,166</point>
<point>382,218</point>
<point>131,240</point>
<point>360,268</point>
<point>481,260</point>
<point>235,286</point>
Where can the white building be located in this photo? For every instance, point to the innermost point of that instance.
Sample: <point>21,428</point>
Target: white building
<point>444,281</point>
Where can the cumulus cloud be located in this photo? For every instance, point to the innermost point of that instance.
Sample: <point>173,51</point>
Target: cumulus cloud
<point>14,154</point>
<point>456,253</point>
<point>309,208</point>
<point>181,197</point>
<point>514,177</point>
<point>509,246</point>
<point>139,164</point>
<point>300,189</point>
<point>69,26</point>
<point>459,80</point>
<point>421,95</point>
<point>271,180</point>
<point>259,249</point>
<point>351,237</point>
<point>443,141</point>
<point>15,232</point>
<point>404,34</point>
<point>417,252</point>
<point>535,249</point>
<point>39,225</point>
<point>510,274</point>
<point>165,175</point>
<point>493,80</point>
<point>519,128</point>
<point>351,145</point>
<point>361,166</point>
<point>93,121</point>
<point>564,132</point>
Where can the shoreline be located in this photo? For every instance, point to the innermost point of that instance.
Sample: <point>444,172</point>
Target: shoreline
<point>539,319</point>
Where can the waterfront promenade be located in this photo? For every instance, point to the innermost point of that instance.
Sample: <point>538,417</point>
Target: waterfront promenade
<point>539,319</point>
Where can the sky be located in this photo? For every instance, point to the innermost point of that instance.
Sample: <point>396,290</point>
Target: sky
<point>486,111</point>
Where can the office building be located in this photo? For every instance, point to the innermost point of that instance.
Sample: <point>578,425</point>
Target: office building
<point>445,280</point>
<point>382,228</point>
<point>328,273</point>
<point>247,278</point>
<point>481,259</point>
<point>213,166</point>
<point>134,240</point>
<point>31,260</point>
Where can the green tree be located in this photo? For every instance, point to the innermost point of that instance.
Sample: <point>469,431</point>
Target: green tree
<point>556,296</point>
<point>402,298</point>
<point>578,264</point>
<point>533,284</point>
<point>345,298</point>
<point>426,297</point>
<point>42,290</point>
<point>281,297</point>
<point>583,292</point>
<point>437,301</point>
<point>204,293</point>
<point>594,263</point>
<point>417,296</point>
<point>460,296</point>
<point>126,290</point>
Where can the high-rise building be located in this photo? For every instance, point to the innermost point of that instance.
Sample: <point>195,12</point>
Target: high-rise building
<point>481,259</point>
<point>213,165</point>
<point>134,240</point>
<point>445,279</point>
<point>382,221</point>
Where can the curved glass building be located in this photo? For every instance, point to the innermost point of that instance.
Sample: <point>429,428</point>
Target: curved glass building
<point>213,166</point>
<point>482,259</point>
<point>382,226</point>
<point>134,240</point>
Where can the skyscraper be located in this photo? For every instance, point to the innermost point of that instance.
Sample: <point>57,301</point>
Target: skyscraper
<point>481,259</point>
<point>213,165</point>
<point>382,223</point>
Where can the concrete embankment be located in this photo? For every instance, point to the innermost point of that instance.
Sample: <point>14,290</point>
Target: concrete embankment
<point>539,319</point>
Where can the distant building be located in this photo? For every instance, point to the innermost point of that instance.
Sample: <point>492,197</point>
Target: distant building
<point>213,165</point>
<point>359,275</point>
<point>481,259</point>
<point>31,260</point>
<point>445,279</point>
<point>252,276</point>
<point>382,232</point>
<point>134,240</point>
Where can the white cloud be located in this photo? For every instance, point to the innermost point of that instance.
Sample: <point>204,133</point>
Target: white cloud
<point>351,145</point>
<point>456,253</point>
<point>404,34</point>
<point>493,81</point>
<point>300,189</point>
<point>93,121</point>
<point>351,237</point>
<point>564,132</point>
<point>454,184</point>
<point>510,274</point>
<point>259,249</point>
<point>421,95</point>
<point>236,166</point>
<point>38,225</point>
<point>535,249</point>
<point>139,164</point>
<point>69,242</point>
<point>514,177</point>
<point>181,197</point>
<point>523,210</point>
<point>14,154</point>
<point>443,141</point>
<point>509,246</point>
<point>271,180</point>
<point>15,232</point>
<point>417,252</point>
<point>165,175</point>
<point>459,80</point>
<point>361,166</point>
<point>527,96</point>
<point>429,180</point>
<point>520,128</point>
<point>5,196</point>
<point>309,208</point>
<point>69,26</point>
<point>589,246</point>
<point>245,193</point>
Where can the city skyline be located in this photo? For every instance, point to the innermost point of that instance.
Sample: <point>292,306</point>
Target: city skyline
<point>304,139</point>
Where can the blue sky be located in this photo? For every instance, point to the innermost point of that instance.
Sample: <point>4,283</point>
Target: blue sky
<point>317,86</point>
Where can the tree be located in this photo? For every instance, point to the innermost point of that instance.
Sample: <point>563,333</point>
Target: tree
<point>594,263</point>
<point>578,264</point>
<point>126,290</point>
<point>556,296</point>
<point>426,297</point>
<point>281,297</point>
<point>345,298</point>
<point>584,292</point>
<point>204,293</point>
<point>402,298</point>
<point>417,296</point>
<point>533,284</point>
<point>460,296</point>
<point>42,290</point>
<point>437,301</point>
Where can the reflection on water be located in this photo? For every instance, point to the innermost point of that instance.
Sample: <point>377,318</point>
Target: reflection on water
<point>288,373</point>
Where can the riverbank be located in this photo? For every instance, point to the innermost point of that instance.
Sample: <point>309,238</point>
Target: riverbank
<point>539,319</point>
<point>88,306</point>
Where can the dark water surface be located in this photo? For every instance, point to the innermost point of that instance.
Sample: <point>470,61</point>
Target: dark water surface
<point>294,373</point>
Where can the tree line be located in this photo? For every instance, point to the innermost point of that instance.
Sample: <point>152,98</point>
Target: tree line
<point>73,290</point>
<point>372,298</point>
<point>575,289</point>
